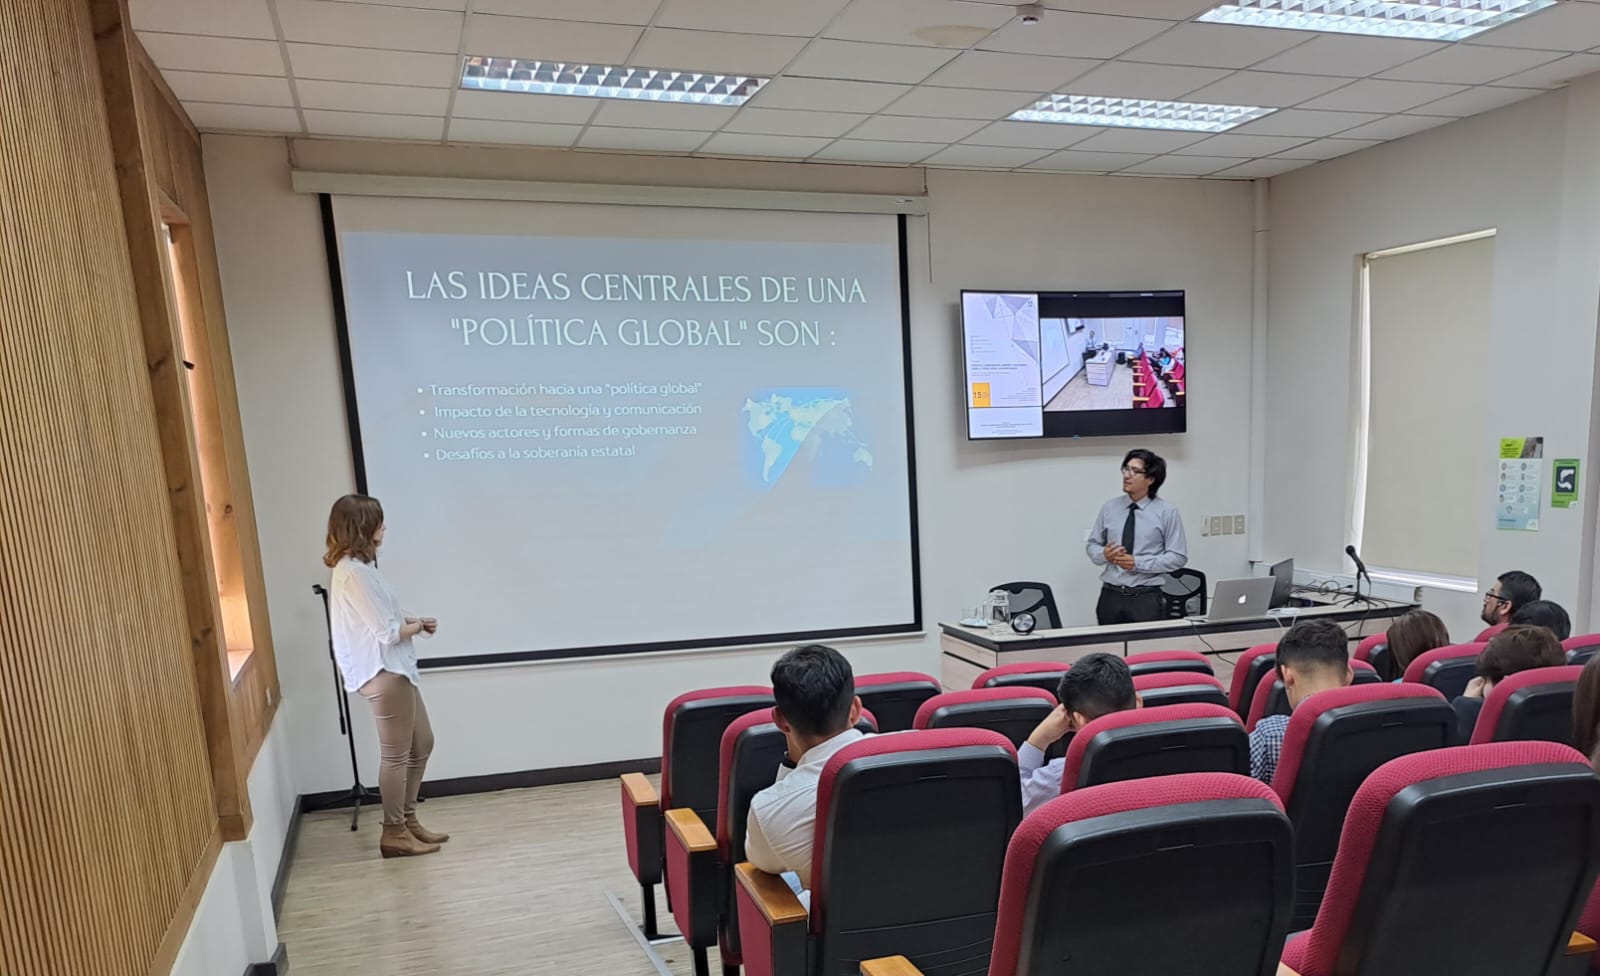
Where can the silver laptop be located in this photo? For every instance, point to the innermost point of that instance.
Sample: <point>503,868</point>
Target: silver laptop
<point>1237,599</point>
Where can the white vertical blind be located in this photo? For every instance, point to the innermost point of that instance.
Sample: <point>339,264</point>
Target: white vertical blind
<point>1428,320</point>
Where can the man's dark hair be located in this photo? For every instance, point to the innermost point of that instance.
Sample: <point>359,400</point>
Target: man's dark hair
<point>814,688</point>
<point>1314,645</point>
<point>1544,613</point>
<point>1519,588</point>
<point>1096,685</point>
<point>1519,649</point>
<point>1155,467</point>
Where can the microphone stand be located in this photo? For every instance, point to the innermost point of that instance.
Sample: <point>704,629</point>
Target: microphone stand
<point>358,793</point>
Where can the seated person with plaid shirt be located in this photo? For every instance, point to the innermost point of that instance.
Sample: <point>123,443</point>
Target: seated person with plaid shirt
<point>1312,657</point>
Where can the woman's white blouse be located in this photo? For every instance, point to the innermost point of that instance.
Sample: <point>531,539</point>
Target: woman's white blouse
<point>366,620</point>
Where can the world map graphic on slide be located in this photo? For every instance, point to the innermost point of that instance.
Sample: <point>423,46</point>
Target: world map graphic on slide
<point>819,421</point>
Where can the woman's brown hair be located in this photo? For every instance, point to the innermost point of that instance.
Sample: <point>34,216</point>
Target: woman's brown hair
<point>351,526</point>
<point>1586,712</point>
<point>1412,635</point>
<point>1519,648</point>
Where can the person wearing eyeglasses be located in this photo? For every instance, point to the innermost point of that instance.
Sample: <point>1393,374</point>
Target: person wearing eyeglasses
<point>1137,538</point>
<point>1506,597</point>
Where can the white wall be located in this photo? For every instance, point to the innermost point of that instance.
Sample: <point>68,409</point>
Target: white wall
<point>988,511</point>
<point>1532,172</point>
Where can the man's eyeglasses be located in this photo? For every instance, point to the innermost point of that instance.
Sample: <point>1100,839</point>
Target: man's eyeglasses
<point>1495,597</point>
<point>1133,471</point>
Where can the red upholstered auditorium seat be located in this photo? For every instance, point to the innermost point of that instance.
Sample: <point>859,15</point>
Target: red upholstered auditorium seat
<point>1364,648</point>
<point>1532,705</point>
<point>1271,698</point>
<point>1475,859</point>
<point>1581,649</point>
<point>1447,668</point>
<point>1248,670</point>
<point>1045,675</point>
<point>911,836</point>
<point>1160,741</point>
<point>1178,688</point>
<point>1013,711</point>
<point>1151,662</point>
<point>893,697</point>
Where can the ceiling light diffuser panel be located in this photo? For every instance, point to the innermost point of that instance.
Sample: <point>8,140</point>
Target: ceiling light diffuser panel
<point>1425,20</point>
<point>608,81</point>
<point>1138,113</point>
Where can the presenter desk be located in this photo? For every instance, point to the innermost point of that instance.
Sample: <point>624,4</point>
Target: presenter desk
<point>967,651</point>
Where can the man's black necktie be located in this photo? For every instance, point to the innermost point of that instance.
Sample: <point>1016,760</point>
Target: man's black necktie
<point>1127,529</point>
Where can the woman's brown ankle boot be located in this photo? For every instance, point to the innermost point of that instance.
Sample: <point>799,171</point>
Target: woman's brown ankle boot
<point>424,834</point>
<point>397,841</point>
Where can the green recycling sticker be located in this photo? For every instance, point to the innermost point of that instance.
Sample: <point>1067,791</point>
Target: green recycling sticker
<point>1563,482</point>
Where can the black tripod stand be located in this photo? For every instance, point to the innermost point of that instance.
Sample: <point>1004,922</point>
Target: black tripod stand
<point>358,793</point>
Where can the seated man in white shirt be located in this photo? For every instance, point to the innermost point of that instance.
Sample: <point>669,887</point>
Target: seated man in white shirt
<point>817,710</point>
<point>1096,685</point>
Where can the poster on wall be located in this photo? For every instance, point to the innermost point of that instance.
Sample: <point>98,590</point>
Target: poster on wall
<point>1563,482</point>
<point>1517,508</point>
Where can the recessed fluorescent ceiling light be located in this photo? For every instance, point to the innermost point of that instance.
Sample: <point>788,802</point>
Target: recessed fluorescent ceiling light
<point>1138,113</point>
<point>608,81</point>
<point>1428,20</point>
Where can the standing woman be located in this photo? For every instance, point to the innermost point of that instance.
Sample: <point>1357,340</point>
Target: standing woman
<point>372,642</point>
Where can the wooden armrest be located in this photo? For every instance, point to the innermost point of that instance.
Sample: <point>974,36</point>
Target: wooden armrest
<point>1580,945</point>
<point>686,826</point>
<point>772,895</point>
<point>889,966</point>
<point>1286,971</point>
<point>640,792</point>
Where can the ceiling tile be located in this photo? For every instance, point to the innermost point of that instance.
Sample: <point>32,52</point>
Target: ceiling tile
<point>1265,88</point>
<point>188,52</point>
<point>555,40</point>
<point>598,11</point>
<point>714,51</point>
<point>1382,96</point>
<point>222,18</point>
<point>1395,127</point>
<point>1475,100</point>
<point>325,63</point>
<point>866,150</point>
<point>1077,161</point>
<point>860,61</point>
<point>935,23</point>
<point>1216,45</point>
<point>957,103</point>
<point>662,115</point>
<point>1327,148</point>
<point>827,94</point>
<point>1144,80</point>
<point>428,4</point>
<point>1229,144</point>
<point>1013,72</point>
<point>803,19</point>
<point>370,125</point>
<point>1463,65</point>
<point>641,140</point>
<point>1305,122</point>
<point>1348,56</point>
<point>1139,141</point>
<point>1070,35</point>
<point>517,107</point>
<point>346,96</point>
<point>779,147</point>
<point>1556,73</point>
<point>233,89</point>
<point>1185,165</point>
<point>897,128</point>
<point>1032,135</point>
<point>1258,169</point>
<point>369,25</point>
<point>1164,9</point>
<point>210,117</point>
<point>993,157</point>
<point>513,133</point>
<point>1563,27</point>
<point>786,122</point>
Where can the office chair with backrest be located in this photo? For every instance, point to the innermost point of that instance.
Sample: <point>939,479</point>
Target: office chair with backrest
<point>1449,668</point>
<point>893,697</point>
<point>911,835</point>
<point>1141,742</point>
<point>1532,705</point>
<point>1183,594</point>
<point>1179,688</point>
<point>1408,896</point>
<point>1013,711</point>
<point>1034,598</point>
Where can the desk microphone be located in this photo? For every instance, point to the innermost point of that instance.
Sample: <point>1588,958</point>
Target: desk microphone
<point>1361,567</point>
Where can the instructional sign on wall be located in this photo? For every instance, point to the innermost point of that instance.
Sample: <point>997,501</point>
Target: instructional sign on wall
<point>1563,482</point>
<point>1517,507</point>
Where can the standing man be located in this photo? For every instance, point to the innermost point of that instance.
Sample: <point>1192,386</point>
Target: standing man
<point>1138,538</point>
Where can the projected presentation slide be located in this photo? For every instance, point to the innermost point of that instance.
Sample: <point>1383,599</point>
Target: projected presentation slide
<point>1004,381</point>
<point>604,428</point>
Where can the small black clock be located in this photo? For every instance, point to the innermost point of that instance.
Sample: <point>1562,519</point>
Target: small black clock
<point>1023,623</point>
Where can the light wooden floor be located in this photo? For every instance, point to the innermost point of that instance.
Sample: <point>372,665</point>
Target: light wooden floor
<point>519,889</point>
<point>1079,394</point>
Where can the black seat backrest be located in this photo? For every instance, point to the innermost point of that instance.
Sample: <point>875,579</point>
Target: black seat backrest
<point>1014,718</point>
<point>696,742</point>
<point>1207,693</point>
<point>1048,680</point>
<point>895,704</point>
<point>1035,598</point>
<point>1537,712</point>
<point>1582,655</point>
<point>1213,744</point>
<point>1380,659</point>
<point>1450,675</point>
<point>1259,669</point>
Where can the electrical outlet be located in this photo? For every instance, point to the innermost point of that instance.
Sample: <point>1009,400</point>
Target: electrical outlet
<point>1216,525</point>
<point>1238,525</point>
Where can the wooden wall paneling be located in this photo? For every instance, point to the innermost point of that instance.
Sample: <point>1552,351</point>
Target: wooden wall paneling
<point>107,815</point>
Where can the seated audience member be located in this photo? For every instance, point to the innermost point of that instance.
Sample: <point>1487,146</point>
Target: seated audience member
<point>817,709</point>
<point>1408,637</point>
<point>1095,685</point>
<point>1586,712</point>
<point>1513,649</point>
<point>1506,597</point>
<point>1312,657</point>
<point>1544,613</point>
